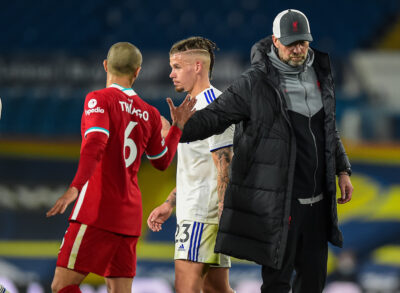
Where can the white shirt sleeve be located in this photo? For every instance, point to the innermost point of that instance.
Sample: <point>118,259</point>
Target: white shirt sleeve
<point>222,140</point>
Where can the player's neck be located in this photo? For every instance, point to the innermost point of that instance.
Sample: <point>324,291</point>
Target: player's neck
<point>200,86</point>
<point>121,81</point>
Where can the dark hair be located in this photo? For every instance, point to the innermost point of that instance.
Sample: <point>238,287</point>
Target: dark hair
<point>194,43</point>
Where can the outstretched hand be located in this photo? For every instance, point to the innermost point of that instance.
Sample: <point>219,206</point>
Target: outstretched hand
<point>346,189</point>
<point>158,216</point>
<point>181,114</point>
<point>63,202</point>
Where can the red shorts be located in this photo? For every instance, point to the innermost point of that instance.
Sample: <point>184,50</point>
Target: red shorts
<point>87,249</point>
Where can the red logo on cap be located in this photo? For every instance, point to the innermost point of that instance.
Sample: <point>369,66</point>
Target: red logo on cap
<point>295,27</point>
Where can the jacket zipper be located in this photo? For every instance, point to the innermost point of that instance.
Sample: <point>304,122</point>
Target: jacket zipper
<point>313,137</point>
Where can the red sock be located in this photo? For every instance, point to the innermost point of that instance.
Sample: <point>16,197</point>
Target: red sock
<point>70,289</point>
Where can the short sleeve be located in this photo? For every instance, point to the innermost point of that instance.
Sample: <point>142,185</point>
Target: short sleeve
<point>96,115</point>
<point>156,147</point>
<point>222,140</point>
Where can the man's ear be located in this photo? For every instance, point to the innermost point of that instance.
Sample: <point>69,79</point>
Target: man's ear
<point>275,40</point>
<point>137,72</point>
<point>105,65</point>
<point>198,66</point>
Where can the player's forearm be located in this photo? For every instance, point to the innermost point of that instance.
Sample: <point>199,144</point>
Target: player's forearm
<point>222,160</point>
<point>171,199</point>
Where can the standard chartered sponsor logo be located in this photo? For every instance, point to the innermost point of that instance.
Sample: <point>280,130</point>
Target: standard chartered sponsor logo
<point>125,107</point>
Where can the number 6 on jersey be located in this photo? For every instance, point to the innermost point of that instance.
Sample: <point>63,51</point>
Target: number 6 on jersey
<point>129,143</point>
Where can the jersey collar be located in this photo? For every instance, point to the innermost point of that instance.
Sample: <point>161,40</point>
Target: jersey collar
<point>127,91</point>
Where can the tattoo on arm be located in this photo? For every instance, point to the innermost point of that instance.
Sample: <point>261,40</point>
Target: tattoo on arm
<point>222,160</point>
<point>171,199</point>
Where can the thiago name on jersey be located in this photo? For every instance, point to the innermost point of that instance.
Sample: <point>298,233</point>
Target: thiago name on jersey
<point>125,107</point>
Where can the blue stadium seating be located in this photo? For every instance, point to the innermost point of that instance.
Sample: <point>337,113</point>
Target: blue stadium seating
<point>89,27</point>
<point>82,26</point>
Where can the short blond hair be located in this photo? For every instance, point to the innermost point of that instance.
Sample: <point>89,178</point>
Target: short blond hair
<point>196,45</point>
<point>123,58</point>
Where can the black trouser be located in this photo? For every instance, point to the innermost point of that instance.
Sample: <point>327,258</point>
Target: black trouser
<point>306,252</point>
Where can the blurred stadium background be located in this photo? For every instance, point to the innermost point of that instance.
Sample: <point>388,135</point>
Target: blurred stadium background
<point>51,55</point>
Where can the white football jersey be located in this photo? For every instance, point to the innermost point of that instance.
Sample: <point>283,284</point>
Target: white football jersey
<point>196,178</point>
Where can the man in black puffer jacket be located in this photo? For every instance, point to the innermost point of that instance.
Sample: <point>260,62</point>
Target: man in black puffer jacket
<point>280,204</point>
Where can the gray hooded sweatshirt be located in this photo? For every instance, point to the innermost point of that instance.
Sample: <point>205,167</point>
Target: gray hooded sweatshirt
<point>304,104</point>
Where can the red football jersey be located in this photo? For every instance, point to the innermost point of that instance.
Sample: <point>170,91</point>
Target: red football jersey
<point>111,198</point>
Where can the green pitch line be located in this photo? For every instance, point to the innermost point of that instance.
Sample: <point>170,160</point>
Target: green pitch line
<point>388,255</point>
<point>49,249</point>
<point>387,154</point>
<point>40,150</point>
<point>157,251</point>
<point>29,249</point>
<point>372,153</point>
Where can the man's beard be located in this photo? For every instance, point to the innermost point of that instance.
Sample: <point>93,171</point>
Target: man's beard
<point>292,62</point>
<point>179,89</point>
<point>296,63</point>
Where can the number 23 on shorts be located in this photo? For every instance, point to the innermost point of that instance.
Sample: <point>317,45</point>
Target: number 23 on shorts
<point>184,235</point>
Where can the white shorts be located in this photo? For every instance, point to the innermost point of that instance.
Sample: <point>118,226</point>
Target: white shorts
<point>195,241</point>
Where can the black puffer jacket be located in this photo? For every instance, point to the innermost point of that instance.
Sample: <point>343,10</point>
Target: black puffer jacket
<point>254,222</point>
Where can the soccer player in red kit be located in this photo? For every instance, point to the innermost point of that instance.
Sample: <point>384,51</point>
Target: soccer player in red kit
<point>105,223</point>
